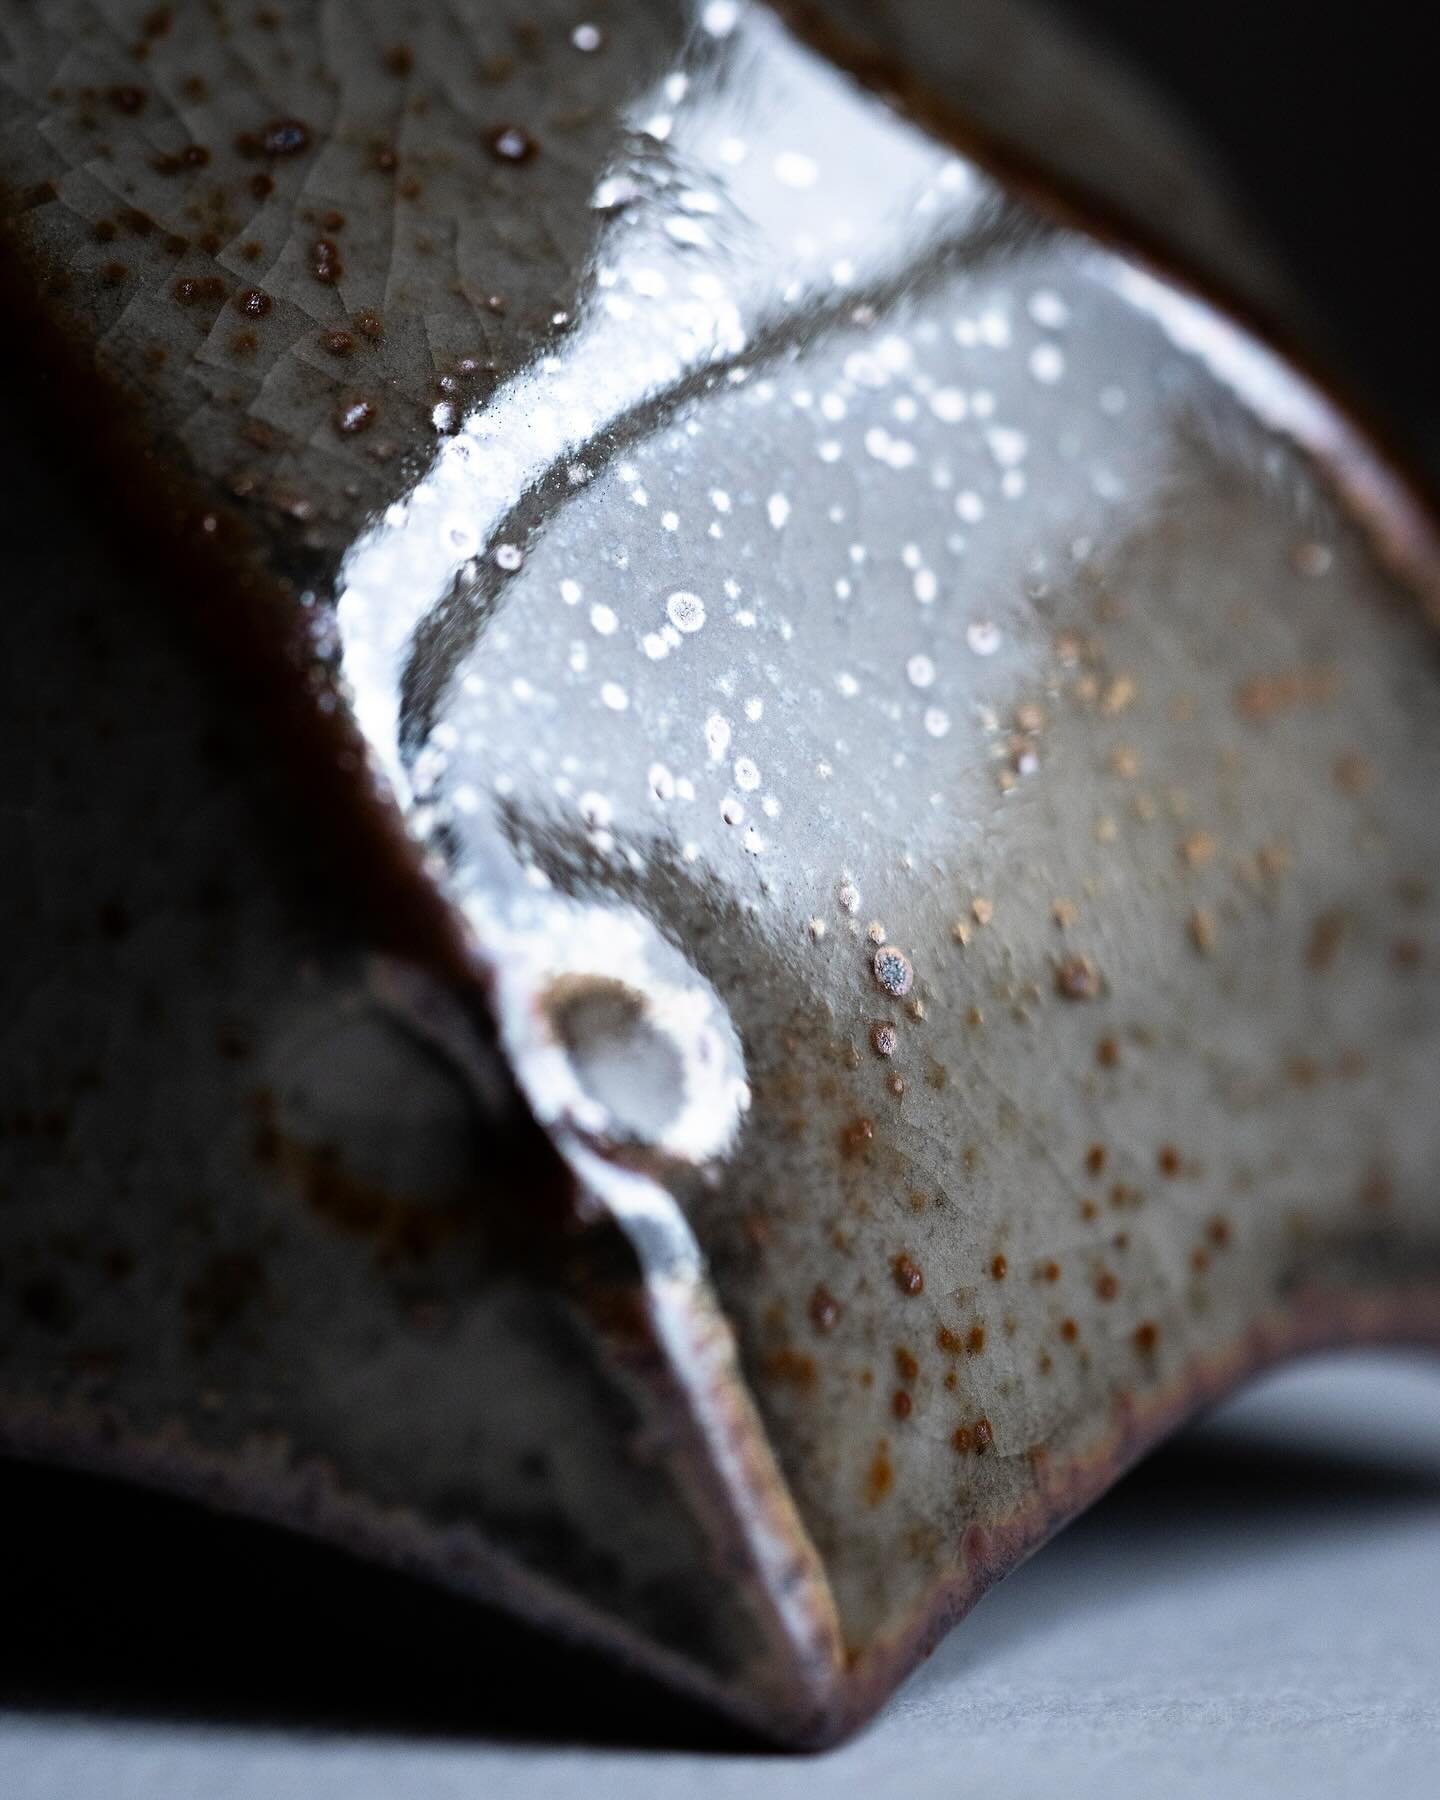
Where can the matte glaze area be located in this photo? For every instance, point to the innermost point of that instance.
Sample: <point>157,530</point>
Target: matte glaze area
<point>924,732</point>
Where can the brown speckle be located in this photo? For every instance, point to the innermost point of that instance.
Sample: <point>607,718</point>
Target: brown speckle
<point>1354,773</point>
<point>791,1366</point>
<point>975,1340</point>
<point>1107,1053</point>
<point>1198,849</point>
<point>963,1439</point>
<point>285,137</point>
<point>1069,1330</point>
<point>892,971</point>
<point>984,1436</point>
<point>337,343</point>
<point>1167,1160</point>
<point>1201,927</point>
<point>880,1477</point>
<point>1106,1286</point>
<point>906,1367</point>
<point>1095,1159</point>
<point>398,60</point>
<point>1147,1336</point>
<point>190,290</point>
<point>908,1276</point>
<point>253,302</point>
<point>856,1137</point>
<point>901,1404</point>
<point>883,1037</point>
<point>1077,978</point>
<point>128,99</point>
<point>824,1309</point>
<point>1326,936</point>
<point>998,1268</point>
<point>325,263</point>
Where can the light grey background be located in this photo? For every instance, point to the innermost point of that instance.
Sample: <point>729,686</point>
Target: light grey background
<point>1256,1612</point>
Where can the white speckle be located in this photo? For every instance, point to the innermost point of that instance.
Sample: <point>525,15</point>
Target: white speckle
<point>1048,309</point>
<point>994,328</point>
<point>1007,445</point>
<point>717,736</point>
<point>1313,559</point>
<point>521,688</point>
<point>753,841</point>
<point>1046,363</point>
<point>832,407</point>
<point>794,170</point>
<point>465,799</point>
<point>937,721</point>
<point>587,38</point>
<point>778,508</point>
<point>685,611</point>
<point>970,506</point>
<point>662,782</point>
<point>830,450</point>
<point>732,151</point>
<point>1012,483</point>
<point>570,592</point>
<point>921,671</point>
<point>983,637</point>
<point>754,707</point>
<point>603,620</point>
<point>770,806</point>
<point>816,928</point>
<point>732,809</point>
<point>848,895</point>
<point>614,696</point>
<point>1112,400</point>
<point>655,646</point>
<point>670,521</point>
<point>579,659</point>
<point>847,685</point>
<point>747,776</point>
<point>509,557</point>
<point>949,405</point>
<point>896,453</point>
<point>595,809</point>
<point>925,585</point>
<point>720,17</point>
<point>720,500</point>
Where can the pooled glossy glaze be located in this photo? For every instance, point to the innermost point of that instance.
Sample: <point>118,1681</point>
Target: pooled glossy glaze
<point>923,730</point>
